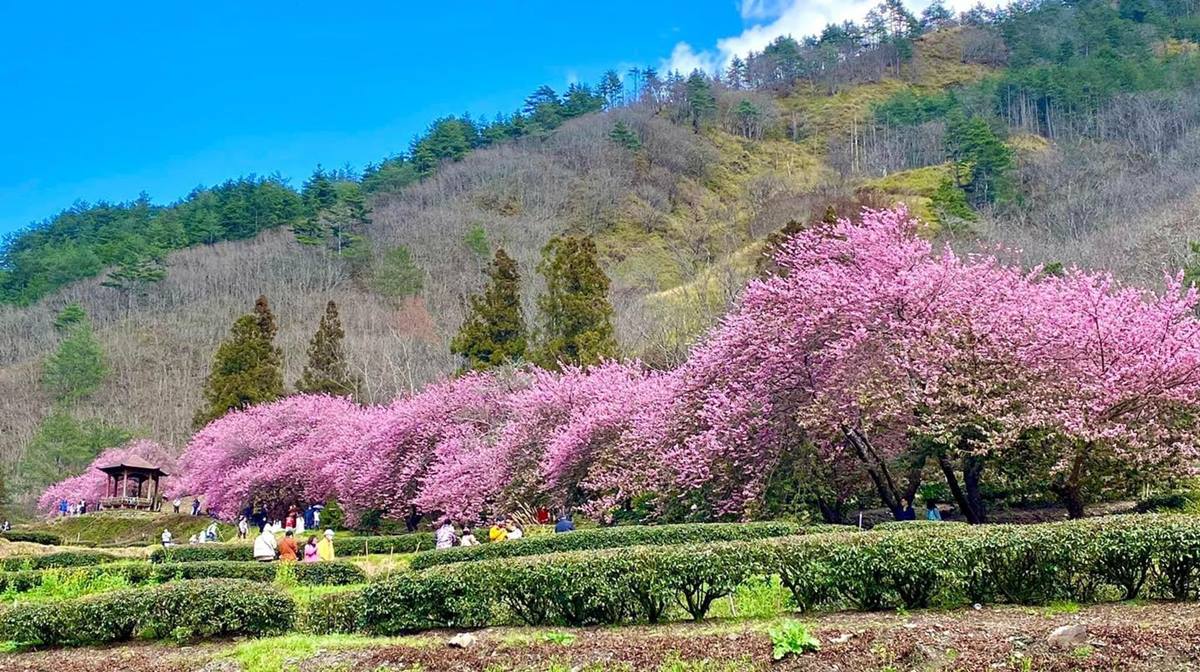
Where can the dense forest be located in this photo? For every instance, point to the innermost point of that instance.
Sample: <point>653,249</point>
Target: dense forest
<point>1067,132</point>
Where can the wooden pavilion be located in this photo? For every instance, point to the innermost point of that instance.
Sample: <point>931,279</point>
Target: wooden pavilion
<point>133,484</point>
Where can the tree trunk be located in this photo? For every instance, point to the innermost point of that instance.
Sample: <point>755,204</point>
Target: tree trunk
<point>889,490</point>
<point>969,499</point>
<point>831,513</point>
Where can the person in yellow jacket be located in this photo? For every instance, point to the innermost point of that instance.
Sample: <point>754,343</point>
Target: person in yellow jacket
<point>498,532</point>
<point>325,546</point>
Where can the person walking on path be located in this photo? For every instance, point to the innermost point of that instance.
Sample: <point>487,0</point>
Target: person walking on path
<point>287,548</point>
<point>325,546</point>
<point>176,504</point>
<point>310,550</point>
<point>243,528</point>
<point>166,538</point>
<point>265,547</point>
<point>195,506</point>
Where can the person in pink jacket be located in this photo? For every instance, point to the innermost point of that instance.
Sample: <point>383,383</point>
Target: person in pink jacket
<point>310,550</point>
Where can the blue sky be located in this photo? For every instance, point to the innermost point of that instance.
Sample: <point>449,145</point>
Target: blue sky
<point>105,100</point>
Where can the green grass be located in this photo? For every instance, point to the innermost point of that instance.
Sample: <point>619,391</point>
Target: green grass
<point>62,584</point>
<point>381,565</point>
<point>126,528</point>
<point>290,652</point>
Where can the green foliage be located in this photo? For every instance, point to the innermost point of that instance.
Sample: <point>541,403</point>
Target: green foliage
<point>1191,268</point>
<point>981,159</point>
<point>396,274</point>
<point>82,241</point>
<point>332,613</point>
<point>65,445</point>
<point>71,315</point>
<point>44,538</point>
<point>77,368</point>
<point>247,369</point>
<point>607,537</point>
<point>135,274</point>
<point>336,214</point>
<point>701,103</point>
<point>945,565</point>
<point>326,371</point>
<point>576,316</point>
<point>342,546</point>
<point>180,611</point>
<point>792,637</point>
<point>950,205</point>
<point>476,241</point>
<point>624,136</point>
<point>493,334</point>
<point>56,560</point>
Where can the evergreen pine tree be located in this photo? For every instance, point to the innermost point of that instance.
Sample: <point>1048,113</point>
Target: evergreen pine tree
<point>77,367</point>
<point>326,371</point>
<point>494,332</point>
<point>702,104</point>
<point>576,317</point>
<point>247,368</point>
<point>624,136</point>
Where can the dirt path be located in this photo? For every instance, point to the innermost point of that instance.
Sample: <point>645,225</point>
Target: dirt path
<point>1135,637</point>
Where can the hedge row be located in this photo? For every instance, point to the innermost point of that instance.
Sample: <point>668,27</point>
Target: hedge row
<point>342,546</point>
<point>335,573</point>
<point>45,538</point>
<point>609,537</point>
<point>59,559</point>
<point>1126,557</point>
<point>181,611</point>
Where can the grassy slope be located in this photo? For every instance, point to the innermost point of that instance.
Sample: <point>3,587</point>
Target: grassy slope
<point>125,528</point>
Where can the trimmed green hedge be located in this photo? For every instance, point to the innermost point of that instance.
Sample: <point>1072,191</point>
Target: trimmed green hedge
<point>608,537</point>
<point>59,559</point>
<point>336,573</point>
<point>181,611</point>
<point>45,538</point>
<point>342,546</point>
<point>1112,558</point>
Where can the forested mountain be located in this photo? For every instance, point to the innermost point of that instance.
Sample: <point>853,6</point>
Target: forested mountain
<point>1067,132</point>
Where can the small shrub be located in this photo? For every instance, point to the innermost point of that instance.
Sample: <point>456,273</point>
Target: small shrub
<point>182,610</point>
<point>332,613</point>
<point>45,538</point>
<point>59,559</point>
<point>792,637</point>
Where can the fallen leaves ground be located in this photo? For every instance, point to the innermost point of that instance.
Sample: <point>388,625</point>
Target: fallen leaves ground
<point>1134,637</point>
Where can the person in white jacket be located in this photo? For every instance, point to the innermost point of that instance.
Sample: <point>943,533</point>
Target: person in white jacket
<point>265,546</point>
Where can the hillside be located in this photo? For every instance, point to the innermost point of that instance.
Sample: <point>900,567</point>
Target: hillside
<point>1103,176</point>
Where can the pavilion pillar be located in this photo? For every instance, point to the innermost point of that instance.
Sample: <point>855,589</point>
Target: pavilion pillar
<point>124,482</point>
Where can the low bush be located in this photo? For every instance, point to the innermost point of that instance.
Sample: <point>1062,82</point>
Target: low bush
<point>181,611</point>
<point>335,573</point>
<point>332,613</point>
<point>1122,557</point>
<point>342,546</point>
<point>44,538</point>
<point>607,537</point>
<point>896,525</point>
<point>59,559</point>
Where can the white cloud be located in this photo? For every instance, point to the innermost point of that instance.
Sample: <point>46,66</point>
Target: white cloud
<point>770,19</point>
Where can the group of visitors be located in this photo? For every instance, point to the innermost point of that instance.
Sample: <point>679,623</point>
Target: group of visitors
<point>503,529</point>
<point>906,511</point>
<point>179,502</point>
<point>66,508</point>
<point>294,519</point>
<point>268,549</point>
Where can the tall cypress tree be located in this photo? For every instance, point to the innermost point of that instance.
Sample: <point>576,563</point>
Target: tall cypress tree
<point>248,366</point>
<point>494,332</point>
<point>326,371</point>
<point>576,317</point>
